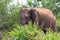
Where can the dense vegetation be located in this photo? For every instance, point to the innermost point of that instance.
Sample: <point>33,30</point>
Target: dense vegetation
<point>10,28</point>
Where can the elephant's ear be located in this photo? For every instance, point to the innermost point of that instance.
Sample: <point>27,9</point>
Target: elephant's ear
<point>34,16</point>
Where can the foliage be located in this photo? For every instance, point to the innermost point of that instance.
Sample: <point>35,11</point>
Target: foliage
<point>25,33</point>
<point>48,4</point>
<point>14,15</point>
<point>58,22</point>
<point>9,15</point>
<point>3,12</point>
<point>28,32</point>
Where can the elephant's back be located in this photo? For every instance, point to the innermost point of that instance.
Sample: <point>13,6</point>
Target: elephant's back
<point>44,11</point>
<point>45,14</point>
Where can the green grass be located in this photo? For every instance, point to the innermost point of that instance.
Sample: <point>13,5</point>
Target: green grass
<point>32,33</point>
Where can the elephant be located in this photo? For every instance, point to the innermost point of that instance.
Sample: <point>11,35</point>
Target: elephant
<point>39,16</point>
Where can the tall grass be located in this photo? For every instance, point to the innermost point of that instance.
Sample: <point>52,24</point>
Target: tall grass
<point>28,32</point>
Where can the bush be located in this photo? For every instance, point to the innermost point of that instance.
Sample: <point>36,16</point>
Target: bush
<point>28,32</point>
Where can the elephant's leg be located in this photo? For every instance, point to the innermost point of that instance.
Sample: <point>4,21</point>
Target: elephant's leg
<point>40,24</point>
<point>46,26</point>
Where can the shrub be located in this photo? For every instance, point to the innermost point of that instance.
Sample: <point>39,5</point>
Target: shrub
<point>28,32</point>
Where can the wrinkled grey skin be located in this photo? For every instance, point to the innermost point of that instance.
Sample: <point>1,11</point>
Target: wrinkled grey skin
<point>39,16</point>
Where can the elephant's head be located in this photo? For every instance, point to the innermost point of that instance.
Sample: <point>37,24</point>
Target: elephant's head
<point>24,16</point>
